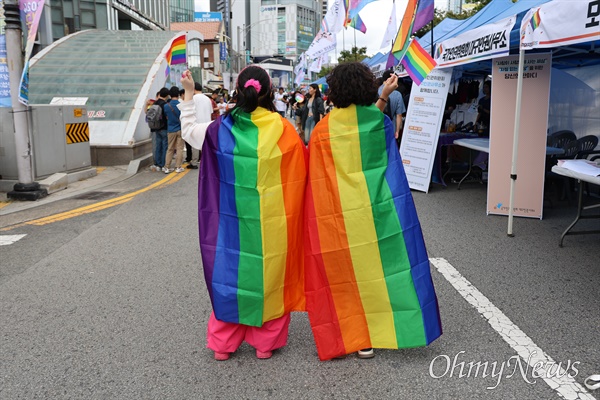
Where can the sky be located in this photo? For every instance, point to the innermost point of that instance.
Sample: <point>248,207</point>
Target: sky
<point>375,16</point>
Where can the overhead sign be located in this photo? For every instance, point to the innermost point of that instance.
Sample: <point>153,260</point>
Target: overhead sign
<point>208,17</point>
<point>487,41</point>
<point>559,23</point>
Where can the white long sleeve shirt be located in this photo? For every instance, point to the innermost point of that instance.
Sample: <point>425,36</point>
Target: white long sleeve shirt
<point>192,131</point>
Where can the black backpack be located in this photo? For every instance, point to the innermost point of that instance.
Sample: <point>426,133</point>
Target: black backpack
<point>154,117</point>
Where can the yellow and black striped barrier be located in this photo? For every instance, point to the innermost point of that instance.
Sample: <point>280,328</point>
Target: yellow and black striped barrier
<point>77,133</point>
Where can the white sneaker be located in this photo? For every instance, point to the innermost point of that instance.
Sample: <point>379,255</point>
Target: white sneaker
<point>366,353</point>
<point>166,170</point>
<point>178,170</point>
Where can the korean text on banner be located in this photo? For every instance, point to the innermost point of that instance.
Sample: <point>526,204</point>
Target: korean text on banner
<point>31,11</point>
<point>487,41</point>
<point>529,189</point>
<point>422,127</point>
<point>5,100</point>
<point>545,26</point>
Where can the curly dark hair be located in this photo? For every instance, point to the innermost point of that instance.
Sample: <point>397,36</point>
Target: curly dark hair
<point>352,83</point>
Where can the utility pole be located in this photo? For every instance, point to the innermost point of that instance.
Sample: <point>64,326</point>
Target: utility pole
<point>230,34</point>
<point>238,49</point>
<point>26,188</point>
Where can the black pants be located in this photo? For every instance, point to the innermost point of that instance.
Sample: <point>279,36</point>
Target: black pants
<point>188,152</point>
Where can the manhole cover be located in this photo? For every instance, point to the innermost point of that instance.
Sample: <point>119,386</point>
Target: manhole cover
<point>96,195</point>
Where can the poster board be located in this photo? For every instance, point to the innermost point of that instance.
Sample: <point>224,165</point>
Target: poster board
<point>422,127</point>
<point>529,186</point>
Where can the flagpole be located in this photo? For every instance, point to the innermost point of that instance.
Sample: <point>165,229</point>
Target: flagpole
<point>354,48</point>
<point>431,49</point>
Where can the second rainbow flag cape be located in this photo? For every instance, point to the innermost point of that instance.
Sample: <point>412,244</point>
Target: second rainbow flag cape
<point>368,280</point>
<point>250,208</point>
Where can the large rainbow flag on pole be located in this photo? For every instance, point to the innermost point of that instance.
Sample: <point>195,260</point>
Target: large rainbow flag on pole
<point>250,216</point>
<point>368,280</point>
<point>404,33</point>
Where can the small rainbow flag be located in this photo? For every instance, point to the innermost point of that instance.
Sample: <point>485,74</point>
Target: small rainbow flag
<point>250,214</point>
<point>535,20</point>
<point>417,62</point>
<point>177,51</point>
<point>368,280</point>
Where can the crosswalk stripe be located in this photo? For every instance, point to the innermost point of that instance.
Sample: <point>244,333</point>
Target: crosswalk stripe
<point>5,240</point>
<point>559,380</point>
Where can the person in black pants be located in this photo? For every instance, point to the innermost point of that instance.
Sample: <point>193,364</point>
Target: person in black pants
<point>188,147</point>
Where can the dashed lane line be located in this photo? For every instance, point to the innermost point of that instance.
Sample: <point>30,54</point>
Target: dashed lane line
<point>168,180</point>
<point>551,372</point>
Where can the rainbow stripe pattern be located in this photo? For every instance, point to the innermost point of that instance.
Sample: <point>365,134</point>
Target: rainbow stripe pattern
<point>535,20</point>
<point>177,51</point>
<point>368,280</point>
<point>250,214</point>
<point>417,62</point>
<point>424,14</point>
<point>358,24</point>
<point>403,37</point>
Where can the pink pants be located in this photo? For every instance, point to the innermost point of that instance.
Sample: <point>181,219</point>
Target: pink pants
<point>225,337</point>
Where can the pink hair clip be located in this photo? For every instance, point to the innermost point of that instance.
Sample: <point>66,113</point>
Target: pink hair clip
<point>254,83</point>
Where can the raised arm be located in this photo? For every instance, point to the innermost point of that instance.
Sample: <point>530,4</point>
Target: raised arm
<point>388,87</point>
<point>191,131</point>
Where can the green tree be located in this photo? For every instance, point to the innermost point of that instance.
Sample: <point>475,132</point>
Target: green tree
<point>356,54</point>
<point>325,71</point>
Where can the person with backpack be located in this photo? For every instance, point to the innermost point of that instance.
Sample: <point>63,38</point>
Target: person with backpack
<point>394,106</point>
<point>157,122</point>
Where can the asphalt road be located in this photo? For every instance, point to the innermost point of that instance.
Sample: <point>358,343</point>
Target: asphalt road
<point>112,305</point>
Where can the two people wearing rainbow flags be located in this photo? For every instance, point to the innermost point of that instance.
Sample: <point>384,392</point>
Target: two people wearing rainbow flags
<point>331,230</point>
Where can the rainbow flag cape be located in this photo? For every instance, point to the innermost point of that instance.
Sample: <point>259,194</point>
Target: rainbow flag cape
<point>250,215</point>
<point>368,280</point>
<point>417,62</point>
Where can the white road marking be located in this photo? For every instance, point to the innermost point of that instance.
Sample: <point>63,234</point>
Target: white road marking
<point>557,378</point>
<point>5,240</point>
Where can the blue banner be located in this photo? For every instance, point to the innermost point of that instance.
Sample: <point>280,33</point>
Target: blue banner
<point>4,82</point>
<point>223,51</point>
<point>208,17</point>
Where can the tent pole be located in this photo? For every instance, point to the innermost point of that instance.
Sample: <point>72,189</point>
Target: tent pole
<point>432,44</point>
<point>513,170</point>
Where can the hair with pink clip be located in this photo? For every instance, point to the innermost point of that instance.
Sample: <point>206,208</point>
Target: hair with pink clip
<point>262,96</point>
<point>254,83</point>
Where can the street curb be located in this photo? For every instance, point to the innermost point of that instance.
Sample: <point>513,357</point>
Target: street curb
<point>132,169</point>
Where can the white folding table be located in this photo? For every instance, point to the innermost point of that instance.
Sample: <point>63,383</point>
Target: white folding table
<point>581,178</point>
